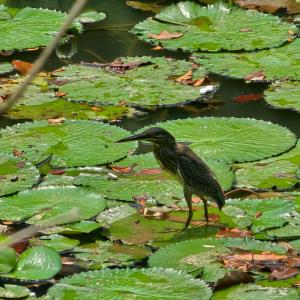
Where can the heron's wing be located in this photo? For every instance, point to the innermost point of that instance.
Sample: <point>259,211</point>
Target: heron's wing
<point>198,176</point>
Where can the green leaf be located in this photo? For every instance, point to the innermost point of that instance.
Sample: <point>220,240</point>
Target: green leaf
<point>273,173</point>
<point>109,216</point>
<point>129,284</point>
<point>57,242</point>
<point>91,17</point>
<point>284,94</point>
<point>8,259</point>
<point>38,28</point>
<point>5,68</point>
<point>16,174</point>
<point>261,213</point>
<point>10,291</point>
<point>193,256</point>
<point>84,226</point>
<point>213,28</point>
<point>37,263</point>
<point>38,206</point>
<point>132,81</point>
<point>255,292</point>
<point>40,103</point>
<point>99,255</point>
<point>231,139</point>
<point>72,143</point>
<point>290,231</point>
<point>140,230</point>
<point>278,63</point>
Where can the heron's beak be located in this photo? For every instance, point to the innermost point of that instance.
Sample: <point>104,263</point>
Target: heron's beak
<point>135,137</point>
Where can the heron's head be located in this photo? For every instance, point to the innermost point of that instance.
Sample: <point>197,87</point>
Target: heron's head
<point>155,135</point>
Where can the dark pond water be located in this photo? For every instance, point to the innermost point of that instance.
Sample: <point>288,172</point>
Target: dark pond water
<point>110,39</point>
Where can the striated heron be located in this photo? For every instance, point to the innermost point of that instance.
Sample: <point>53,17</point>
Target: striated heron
<point>181,162</point>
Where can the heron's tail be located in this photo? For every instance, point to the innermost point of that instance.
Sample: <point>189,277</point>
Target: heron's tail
<point>219,199</point>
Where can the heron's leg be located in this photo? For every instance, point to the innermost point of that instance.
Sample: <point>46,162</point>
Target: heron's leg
<point>188,199</point>
<point>205,209</point>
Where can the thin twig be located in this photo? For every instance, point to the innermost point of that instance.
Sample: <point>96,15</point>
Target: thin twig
<point>39,63</point>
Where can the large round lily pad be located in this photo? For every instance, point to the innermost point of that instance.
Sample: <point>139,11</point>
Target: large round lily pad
<point>129,284</point>
<point>231,139</point>
<point>272,64</point>
<point>38,27</point>
<point>190,26</point>
<point>137,81</point>
<point>284,95</point>
<point>71,143</point>
<point>278,172</point>
<point>16,174</point>
<point>37,206</point>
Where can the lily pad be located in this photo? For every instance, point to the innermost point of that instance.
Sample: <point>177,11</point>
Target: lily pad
<point>71,143</point>
<point>140,230</point>
<point>131,81</point>
<point>254,291</point>
<point>128,284</point>
<point>190,26</point>
<point>272,64</point>
<point>100,255</point>
<point>8,259</point>
<point>91,17</point>
<point>38,28</point>
<point>273,173</point>
<point>84,226</point>
<point>284,94</point>
<point>5,68</point>
<point>37,206</point>
<point>193,256</point>
<point>57,242</point>
<point>259,214</point>
<point>40,103</point>
<point>16,174</point>
<point>231,139</point>
<point>10,291</point>
<point>37,263</point>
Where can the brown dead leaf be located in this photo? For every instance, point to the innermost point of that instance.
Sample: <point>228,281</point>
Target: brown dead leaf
<point>157,48</point>
<point>293,7</point>
<point>199,82</point>
<point>233,232</point>
<point>187,76</point>
<point>153,171</point>
<point>294,262</point>
<point>247,261</point>
<point>263,5</point>
<point>22,66</point>
<point>258,214</point>
<point>21,164</point>
<point>56,121</point>
<point>122,170</point>
<point>60,94</point>
<point>255,76</point>
<point>248,98</point>
<point>283,273</point>
<point>58,172</point>
<point>165,35</point>
<point>17,152</point>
